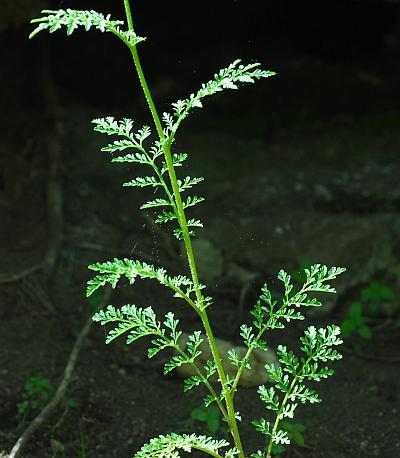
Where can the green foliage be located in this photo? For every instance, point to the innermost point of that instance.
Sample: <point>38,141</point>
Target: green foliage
<point>210,415</point>
<point>289,380</point>
<point>37,393</point>
<point>356,322</point>
<point>169,446</point>
<point>152,157</point>
<point>208,370</point>
<point>379,299</point>
<point>294,433</point>
<point>153,152</point>
<point>73,19</point>
<point>227,78</point>
<point>137,322</point>
<point>82,448</point>
<point>376,292</point>
<point>269,315</point>
<point>376,300</point>
<point>111,271</point>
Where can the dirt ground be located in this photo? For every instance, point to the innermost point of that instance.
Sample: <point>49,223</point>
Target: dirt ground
<point>313,176</point>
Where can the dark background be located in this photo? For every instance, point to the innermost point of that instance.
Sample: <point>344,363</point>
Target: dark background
<point>350,34</point>
<point>302,167</point>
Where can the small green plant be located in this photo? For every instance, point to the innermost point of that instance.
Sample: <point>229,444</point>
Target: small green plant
<point>356,322</point>
<point>37,394</point>
<point>210,415</point>
<point>38,391</point>
<point>379,299</point>
<point>376,301</point>
<point>290,380</point>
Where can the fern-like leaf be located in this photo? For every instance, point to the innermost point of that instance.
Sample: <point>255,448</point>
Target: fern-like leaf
<point>266,313</point>
<point>171,445</point>
<point>317,344</point>
<point>71,20</point>
<point>165,216</point>
<point>143,182</point>
<point>110,272</point>
<point>156,203</point>
<point>226,78</point>
<point>191,201</point>
<point>188,183</point>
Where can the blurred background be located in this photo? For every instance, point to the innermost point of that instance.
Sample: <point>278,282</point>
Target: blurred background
<point>300,168</point>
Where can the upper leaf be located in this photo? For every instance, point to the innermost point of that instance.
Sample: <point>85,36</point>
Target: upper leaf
<point>226,78</point>
<point>73,19</point>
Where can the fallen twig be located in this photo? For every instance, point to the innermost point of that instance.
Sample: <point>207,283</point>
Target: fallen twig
<point>62,387</point>
<point>53,144</point>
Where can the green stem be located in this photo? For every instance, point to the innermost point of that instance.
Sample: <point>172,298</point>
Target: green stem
<point>168,159</point>
<point>284,401</point>
<point>228,397</point>
<point>245,361</point>
<point>158,173</point>
<point>142,79</point>
<point>128,15</point>
<point>186,237</point>
<point>277,420</point>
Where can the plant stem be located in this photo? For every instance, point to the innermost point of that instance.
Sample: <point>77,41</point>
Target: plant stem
<point>227,395</point>
<point>186,237</point>
<point>168,158</point>
<point>277,420</point>
<point>245,361</point>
